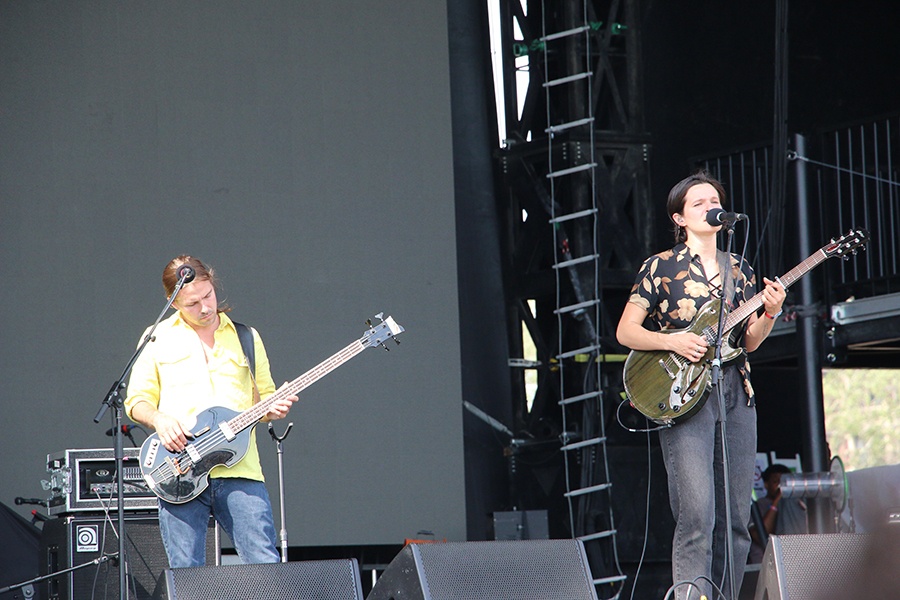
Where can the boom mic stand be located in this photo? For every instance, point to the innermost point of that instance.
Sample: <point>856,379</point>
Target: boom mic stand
<point>27,587</point>
<point>114,400</point>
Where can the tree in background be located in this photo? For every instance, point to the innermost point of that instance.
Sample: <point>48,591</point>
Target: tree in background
<point>862,416</point>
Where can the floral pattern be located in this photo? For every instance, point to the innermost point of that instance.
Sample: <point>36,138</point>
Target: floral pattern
<point>672,286</point>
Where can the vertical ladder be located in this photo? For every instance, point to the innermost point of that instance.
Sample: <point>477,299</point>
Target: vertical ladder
<point>571,178</point>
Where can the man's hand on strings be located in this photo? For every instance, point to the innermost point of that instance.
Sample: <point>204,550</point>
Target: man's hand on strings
<point>282,406</point>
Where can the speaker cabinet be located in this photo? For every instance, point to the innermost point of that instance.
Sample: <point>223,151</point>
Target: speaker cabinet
<point>307,580</point>
<point>546,569</point>
<point>809,567</point>
<point>72,541</point>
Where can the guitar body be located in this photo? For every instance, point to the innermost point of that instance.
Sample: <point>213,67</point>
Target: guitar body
<point>666,386</point>
<point>179,477</point>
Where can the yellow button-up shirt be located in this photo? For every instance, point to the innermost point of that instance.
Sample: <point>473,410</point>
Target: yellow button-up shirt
<point>175,375</point>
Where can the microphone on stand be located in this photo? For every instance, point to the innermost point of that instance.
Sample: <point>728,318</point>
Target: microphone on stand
<point>186,273</point>
<point>38,501</point>
<point>718,216</point>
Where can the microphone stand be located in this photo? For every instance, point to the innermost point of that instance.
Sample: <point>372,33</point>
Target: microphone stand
<point>115,401</point>
<point>280,451</point>
<point>27,587</point>
<point>715,379</point>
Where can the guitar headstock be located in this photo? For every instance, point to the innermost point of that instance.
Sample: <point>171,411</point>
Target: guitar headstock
<point>378,334</point>
<point>847,244</point>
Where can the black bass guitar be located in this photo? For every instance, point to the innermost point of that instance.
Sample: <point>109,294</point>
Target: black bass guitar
<point>221,436</point>
<point>666,386</point>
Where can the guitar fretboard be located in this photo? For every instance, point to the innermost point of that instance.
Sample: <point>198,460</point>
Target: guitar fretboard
<point>743,311</point>
<point>254,415</point>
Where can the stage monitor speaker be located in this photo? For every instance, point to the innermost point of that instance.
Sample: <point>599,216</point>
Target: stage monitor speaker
<point>336,579</point>
<point>71,541</point>
<point>809,566</point>
<point>545,569</point>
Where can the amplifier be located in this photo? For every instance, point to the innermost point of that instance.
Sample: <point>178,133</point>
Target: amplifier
<point>72,548</point>
<point>85,480</point>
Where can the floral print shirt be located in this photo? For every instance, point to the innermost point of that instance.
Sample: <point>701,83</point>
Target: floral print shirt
<point>672,287</point>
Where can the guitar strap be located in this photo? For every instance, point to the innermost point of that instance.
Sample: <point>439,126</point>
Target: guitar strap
<point>245,335</point>
<point>727,279</point>
<point>728,291</point>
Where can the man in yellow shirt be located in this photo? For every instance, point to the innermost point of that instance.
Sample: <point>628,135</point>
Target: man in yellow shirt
<point>196,362</point>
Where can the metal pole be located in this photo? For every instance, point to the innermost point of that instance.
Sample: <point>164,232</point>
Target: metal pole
<point>815,448</point>
<point>283,535</point>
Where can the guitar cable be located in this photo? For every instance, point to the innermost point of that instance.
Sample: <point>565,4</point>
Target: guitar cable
<point>105,505</point>
<point>631,429</point>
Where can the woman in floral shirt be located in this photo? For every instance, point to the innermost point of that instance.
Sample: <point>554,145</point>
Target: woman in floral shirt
<point>670,289</point>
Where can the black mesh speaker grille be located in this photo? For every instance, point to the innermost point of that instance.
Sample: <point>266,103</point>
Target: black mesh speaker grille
<point>307,580</point>
<point>809,567</point>
<point>497,570</point>
<point>70,541</point>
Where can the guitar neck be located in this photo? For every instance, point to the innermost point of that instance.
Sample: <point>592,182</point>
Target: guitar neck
<point>254,415</point>
<point>738,315</point>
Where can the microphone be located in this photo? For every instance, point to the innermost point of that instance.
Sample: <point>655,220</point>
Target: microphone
<point>38,501</point>
<point>717,216</point>
<point>186,272</point>
<point>126,429</point>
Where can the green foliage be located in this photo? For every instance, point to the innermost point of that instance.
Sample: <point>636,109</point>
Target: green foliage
<point>862,416</point>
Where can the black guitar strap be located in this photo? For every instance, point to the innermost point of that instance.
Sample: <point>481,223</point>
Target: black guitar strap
<point>249,348</point>
<point>247,345</point>
<point>728,291</point>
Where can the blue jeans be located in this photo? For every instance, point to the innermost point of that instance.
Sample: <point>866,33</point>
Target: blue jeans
<point>240,506</point>
<point>692,452</point>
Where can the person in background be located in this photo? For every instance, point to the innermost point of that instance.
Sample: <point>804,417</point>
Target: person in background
<point>780,516</point>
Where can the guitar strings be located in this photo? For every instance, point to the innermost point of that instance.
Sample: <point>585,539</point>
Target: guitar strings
<point>218,436</point>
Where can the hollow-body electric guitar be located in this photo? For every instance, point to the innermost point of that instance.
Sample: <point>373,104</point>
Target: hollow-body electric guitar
<point>666,386</point>
<point>221,436</point>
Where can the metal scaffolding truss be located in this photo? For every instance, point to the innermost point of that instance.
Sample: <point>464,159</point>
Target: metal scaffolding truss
<point>575,200</point>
